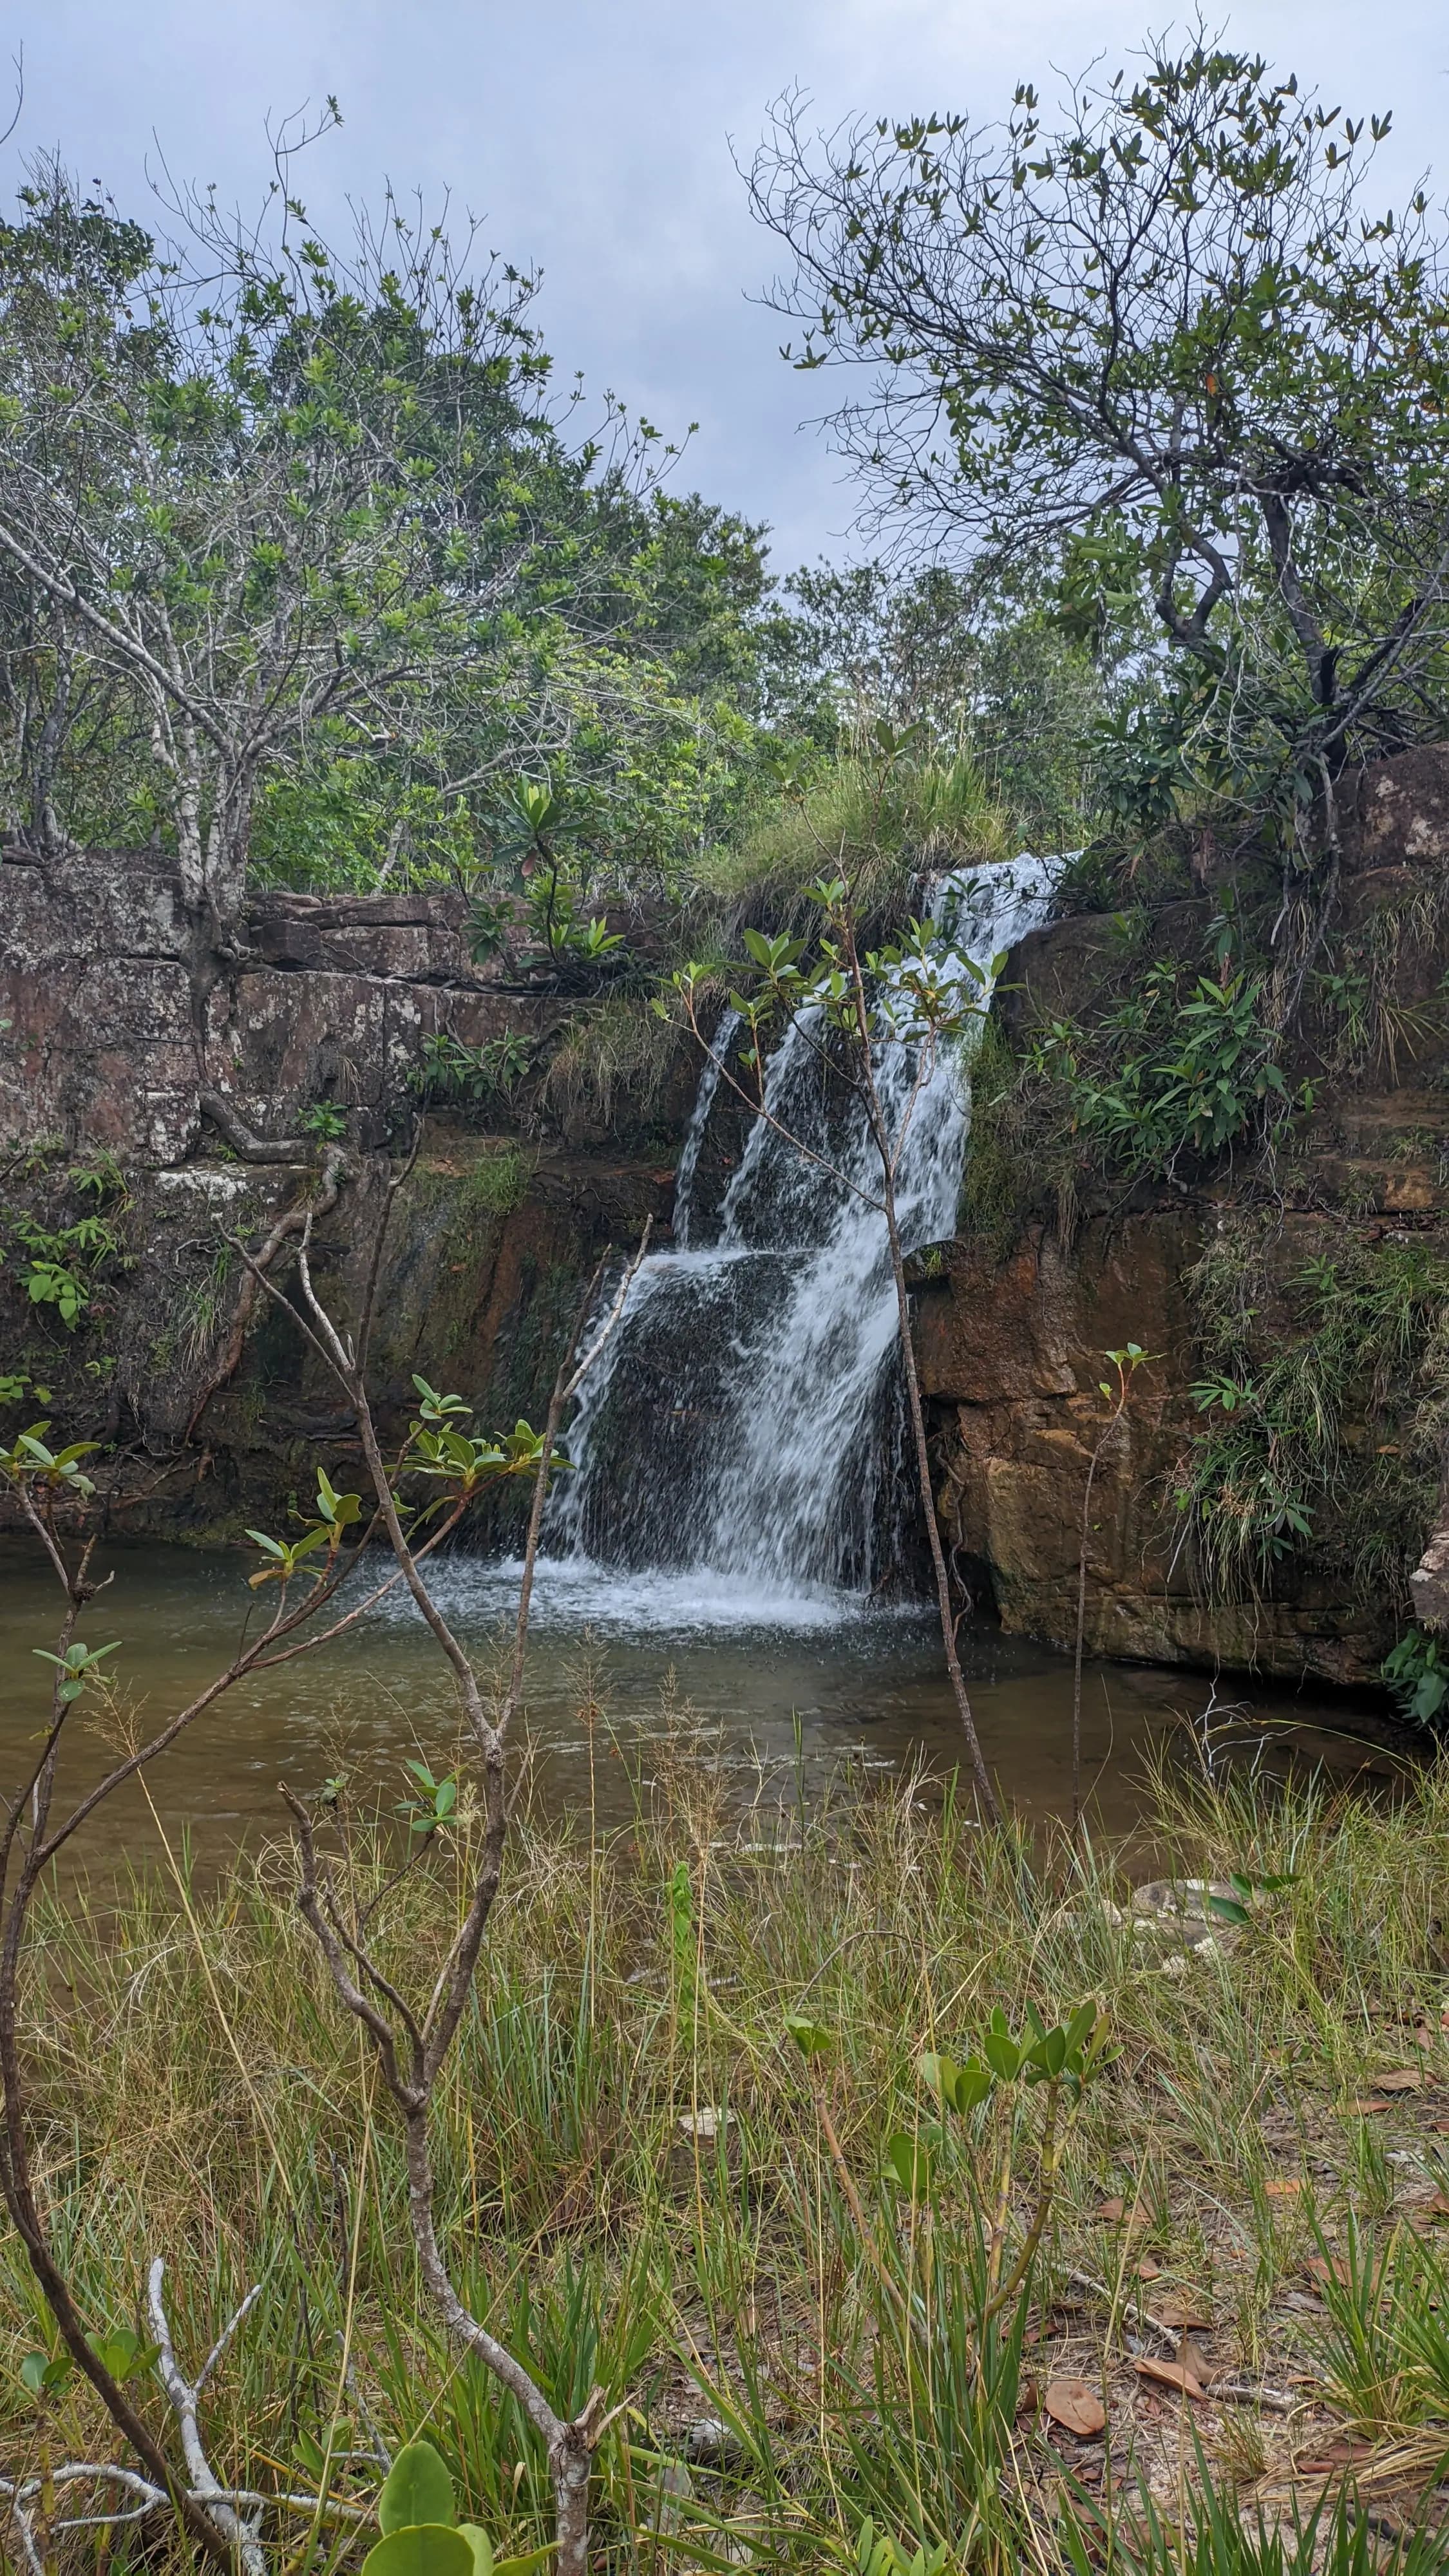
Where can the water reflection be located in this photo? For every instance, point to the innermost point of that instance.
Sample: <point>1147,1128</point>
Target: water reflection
<point>780,1707</point>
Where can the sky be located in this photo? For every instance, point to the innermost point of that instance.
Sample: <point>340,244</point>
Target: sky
<point>596,142</point>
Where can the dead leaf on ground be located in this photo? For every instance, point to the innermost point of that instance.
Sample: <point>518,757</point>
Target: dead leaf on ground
<point>1076,2406</point>
<point>1147,2270</point>
<point>1404,2079</point>
<point>1375,2102</point>
<point>1182,2313</point>
<point>1284,2187</point>
<point>1325,2267</point>
<point>1171,2374</point>
<point>1113,2212</point>
<point>1341,2454</point>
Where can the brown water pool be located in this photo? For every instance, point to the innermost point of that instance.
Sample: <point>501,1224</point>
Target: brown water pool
<point>779,1693</point>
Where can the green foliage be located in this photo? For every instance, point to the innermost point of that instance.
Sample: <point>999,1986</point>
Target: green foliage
<point>1417,1672</point>
<point>29,1462</point>
<point>1271,1473</point>
<point>324,1120</point>
<point>1132,341</point>
<point>76,1667</point>
<point>984,664</point>
<point>61,1262</point>
<point>417,2488</point>
<point>450,1069</point>
<point>421,2535</point>
<point>427,1815</point>
<point>323,490</point>
<point>571,2081</point>
<point>422,2549</point>
<point>613,1061</point>
<point>1176,1076</point>
<point>59,1265</point>
<point>1337,2536</point>
<point>15,1387</point>
<point>120,2352</point>
<point>930,815</point>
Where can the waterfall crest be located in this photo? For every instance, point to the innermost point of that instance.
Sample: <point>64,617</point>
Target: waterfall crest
<point>738,1449</point>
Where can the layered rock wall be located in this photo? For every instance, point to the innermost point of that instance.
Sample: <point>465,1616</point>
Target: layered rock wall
<point>1012,1337</point>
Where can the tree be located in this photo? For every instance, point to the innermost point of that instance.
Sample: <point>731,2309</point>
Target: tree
<point>985,664</point>
<point>292,534</point>
<point>1167,340</point>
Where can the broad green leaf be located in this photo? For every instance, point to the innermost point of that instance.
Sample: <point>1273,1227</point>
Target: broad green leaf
<point>911,2164</point>
<point>809,2037</point>
<point>481,2546</point>
<point>973,2082</point>
<point>1002,2054</point>
<point>939,2076</point>
<point>422,2549</point>
<point>1228,1910</point>
<point>417,2489</point>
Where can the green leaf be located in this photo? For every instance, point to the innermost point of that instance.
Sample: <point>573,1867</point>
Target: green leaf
<point>124,2355</point>
<point>481,2546</point>
<point>938,2074</point>
<point>809,2037</point>
<point>417,2489</point>
<point>973,2082</point>
<point>912,2164</point>
<point>421,2548</point>
<point>1002,2054</point>
<point>1228,1910</point>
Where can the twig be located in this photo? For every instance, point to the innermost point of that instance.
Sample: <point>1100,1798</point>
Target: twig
<point>236,2526</point>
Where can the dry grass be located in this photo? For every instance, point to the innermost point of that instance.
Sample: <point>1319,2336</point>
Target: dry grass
<point>201,2097</point>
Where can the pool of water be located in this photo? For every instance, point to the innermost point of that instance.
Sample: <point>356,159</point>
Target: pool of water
<point>777,1689</point>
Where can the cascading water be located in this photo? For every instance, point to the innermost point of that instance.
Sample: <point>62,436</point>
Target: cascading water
<point>738,1447</point>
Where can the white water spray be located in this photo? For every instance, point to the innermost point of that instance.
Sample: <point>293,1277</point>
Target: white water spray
<point>738,1450</point>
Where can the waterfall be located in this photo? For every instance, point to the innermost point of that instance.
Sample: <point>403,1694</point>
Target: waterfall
<point>709,1082</point>
<point>737,1449</point>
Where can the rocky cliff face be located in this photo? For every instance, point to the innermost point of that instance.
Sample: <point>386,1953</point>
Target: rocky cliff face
<point>1012,1335</point>
<point>171,1111</point>
<point>115,1045</point>
<point>113,1038</point>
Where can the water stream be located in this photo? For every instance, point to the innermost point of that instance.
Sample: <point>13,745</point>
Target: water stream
<point>739,1452</point>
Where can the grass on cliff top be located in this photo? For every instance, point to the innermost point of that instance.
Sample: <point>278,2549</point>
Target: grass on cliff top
<point>635,2185</point>
<point>881,837</point>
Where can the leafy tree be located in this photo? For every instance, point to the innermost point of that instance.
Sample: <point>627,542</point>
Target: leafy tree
<point>295,548</point>
<point>1166,339</point>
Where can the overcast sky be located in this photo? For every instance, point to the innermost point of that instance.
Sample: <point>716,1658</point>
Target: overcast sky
<point>595,141</point>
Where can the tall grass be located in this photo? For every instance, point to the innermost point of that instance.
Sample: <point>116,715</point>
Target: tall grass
<point>635,2188</point>
<point>881,834</point>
